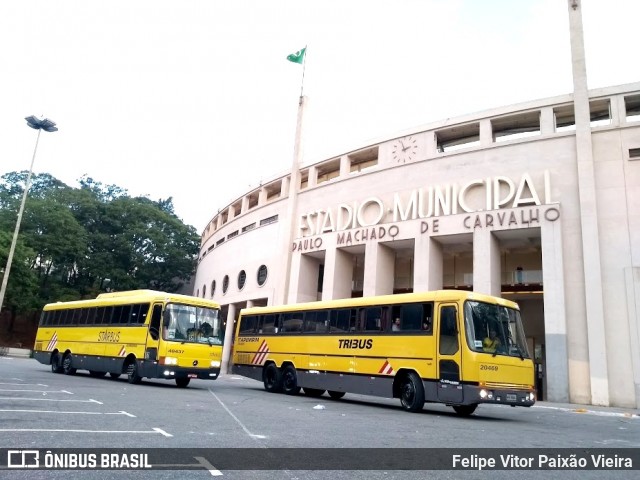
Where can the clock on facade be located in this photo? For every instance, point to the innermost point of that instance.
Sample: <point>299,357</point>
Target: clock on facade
<point>404,149</point>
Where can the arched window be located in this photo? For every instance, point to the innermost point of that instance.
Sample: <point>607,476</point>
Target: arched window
<point>242,278</point>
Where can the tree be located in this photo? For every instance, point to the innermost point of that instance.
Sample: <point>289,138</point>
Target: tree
<point>76,243</point>
<point>22,288</point>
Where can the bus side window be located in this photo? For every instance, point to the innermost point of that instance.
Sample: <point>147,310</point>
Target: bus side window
<point>448,331</point>
<point>373,320</point>
<point>249,324</point>
<point>154,326</point>
<point>411,316</point>
<point>395,313</point>
<point>427,320</point>
<point>91,315</point>
<point>322,321</point>
<point>106,317</point>
<point>82,316</point>
<point>353,320</point>
<point>268,324</point>
<point>310,321</point>
<point>340,320</point>
<point>126,314</point>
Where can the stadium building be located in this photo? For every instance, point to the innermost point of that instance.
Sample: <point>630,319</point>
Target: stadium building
<point>537,202</point>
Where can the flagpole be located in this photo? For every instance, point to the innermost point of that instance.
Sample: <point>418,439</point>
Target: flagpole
<point>304,64</point>
<point>281,293</point>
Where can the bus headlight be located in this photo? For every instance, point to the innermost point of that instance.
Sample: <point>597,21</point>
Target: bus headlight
<point>486,394</point>
<point>532,397</point>
<point>215,363</point>
<point>170,361</point>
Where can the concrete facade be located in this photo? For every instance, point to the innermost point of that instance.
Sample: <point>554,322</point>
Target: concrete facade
<point>530,201</point>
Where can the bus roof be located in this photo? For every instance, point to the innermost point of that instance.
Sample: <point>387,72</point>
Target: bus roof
<point>132,296</point>
<point>439,295</point>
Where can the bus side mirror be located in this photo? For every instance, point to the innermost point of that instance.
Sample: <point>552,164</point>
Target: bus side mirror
<point>166,319</point>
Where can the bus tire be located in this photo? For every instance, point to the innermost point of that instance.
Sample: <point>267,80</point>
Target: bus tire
<point>465,410</point>
<point>182,382</point>
<point>313,392</point>
<point>272,379</point>
<point>114,375</point>
<point>56,367</point>
<point>67,365</point>
<point>290,380</point>
<point>411,392</point>
<point>132,373</point>
<point>336,395</point>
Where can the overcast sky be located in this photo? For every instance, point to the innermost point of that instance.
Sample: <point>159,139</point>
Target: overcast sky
<point>195,100</point>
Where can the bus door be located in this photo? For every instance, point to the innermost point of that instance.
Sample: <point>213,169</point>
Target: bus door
<point>153,335</point>
<point>449,355</point>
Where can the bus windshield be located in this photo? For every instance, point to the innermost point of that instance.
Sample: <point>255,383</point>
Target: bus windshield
<point>494,329</point>
<point>188,323</point>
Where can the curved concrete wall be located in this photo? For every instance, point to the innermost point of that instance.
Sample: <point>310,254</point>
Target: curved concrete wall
<point>496,201</point>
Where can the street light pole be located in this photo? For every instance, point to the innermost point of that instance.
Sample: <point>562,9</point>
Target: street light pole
<point>38,124</point>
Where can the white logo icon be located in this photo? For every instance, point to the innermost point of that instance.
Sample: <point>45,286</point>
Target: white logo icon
<point>23,459</point>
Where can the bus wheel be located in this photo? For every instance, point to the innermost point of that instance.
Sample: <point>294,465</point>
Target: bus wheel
<point>411,392</point>
<point>465,410</point>
<point>132,373</point>
<point>182,382</point>
<point>272,379</point>
<point>290,381</point>
<point>114,375</point>
<point>313,392</point>
<point>67,362</point>
<point>336,395</point>
<point>55,363</point>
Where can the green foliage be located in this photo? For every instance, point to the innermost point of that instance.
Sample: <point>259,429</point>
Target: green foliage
<point>22,288</point>
<point>78,242</point>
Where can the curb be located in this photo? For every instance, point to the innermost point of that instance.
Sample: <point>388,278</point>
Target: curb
<point>15,352</point>
<point>593,410</point>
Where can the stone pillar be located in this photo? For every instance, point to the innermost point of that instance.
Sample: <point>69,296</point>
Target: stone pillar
<point>428,270</point>
<point>245,204</point>
<point>632,287</point>
<point>486,133</point>
<point>486,263</point>
<point>379,270</point>
<point>313,177</point>
<point>338,274</point>
<point>547,121</point>
<point>304,279</point>
<point>228,337</point>
<point>345,166</point>
<point>555,321</point>
<point>618,111</point>
<point>262,196</point>
<point>284,187</point>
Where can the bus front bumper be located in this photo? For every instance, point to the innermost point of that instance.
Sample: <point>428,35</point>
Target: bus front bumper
<point>499,396</point>
<point>171,372</point>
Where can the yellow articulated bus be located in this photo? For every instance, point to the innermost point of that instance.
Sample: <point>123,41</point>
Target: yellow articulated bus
<point>139,333</point>
<point>453,347</point>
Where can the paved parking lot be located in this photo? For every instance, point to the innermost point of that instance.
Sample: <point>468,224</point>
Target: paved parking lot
<point>42,410</point>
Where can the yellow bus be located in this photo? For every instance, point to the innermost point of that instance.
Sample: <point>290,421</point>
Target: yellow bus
<point>139,333</point>
<point>418,347</point>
